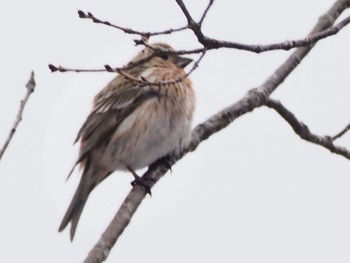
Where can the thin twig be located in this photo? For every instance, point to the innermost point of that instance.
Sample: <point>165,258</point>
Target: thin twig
<point>94,19</point>
<point>159,51</point>
<point>341,133</point>
<point>122,70</point>
<point>196,63</point>
<point>286,45</point>
<point>190,20</point>
<point>205,12</point>
<point>106,68</point>
<point>54,68</point>
<point>212,43</point>
<point>30,89</point>
<point>253,99</point>
<point>303,131</point>
<point>130,65</point>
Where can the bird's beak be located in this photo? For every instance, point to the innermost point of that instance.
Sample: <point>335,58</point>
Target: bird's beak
<point>182,62</point>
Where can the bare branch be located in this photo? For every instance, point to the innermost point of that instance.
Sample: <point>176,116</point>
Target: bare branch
<point>130,65</point>
<point>205,12</point>
<point>30,89</point>
<point>254,98</point>
<point>107,68</point>
<point>160,51</point>
<point>211,43</point>
<point>101,250</point>
<point>196,64</point>
<point>340,134</point>
<point>94,19</point>
<point>208,43</point>
<point>190,20</point>
<point>61,69</point>
<point>122,70</point>
<point>324,22</point>
<point>303,131</point>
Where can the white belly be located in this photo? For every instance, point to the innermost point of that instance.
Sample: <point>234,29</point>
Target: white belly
<point>146,135</point>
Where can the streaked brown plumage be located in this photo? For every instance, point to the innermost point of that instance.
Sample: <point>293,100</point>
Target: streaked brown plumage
<point>131,125</point>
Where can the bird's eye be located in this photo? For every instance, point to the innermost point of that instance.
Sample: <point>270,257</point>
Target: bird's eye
<point>164,56</point>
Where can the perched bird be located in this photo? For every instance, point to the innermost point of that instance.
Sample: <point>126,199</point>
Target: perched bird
<point>132,124</point>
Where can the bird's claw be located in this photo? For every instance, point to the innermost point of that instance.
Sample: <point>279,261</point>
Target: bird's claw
<point>139,181</point>
<point>165,161</point>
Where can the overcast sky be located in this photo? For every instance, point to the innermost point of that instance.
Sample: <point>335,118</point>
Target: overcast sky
<point>255,192</point>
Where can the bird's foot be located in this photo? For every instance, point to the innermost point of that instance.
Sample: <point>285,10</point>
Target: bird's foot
<point>139,181</point>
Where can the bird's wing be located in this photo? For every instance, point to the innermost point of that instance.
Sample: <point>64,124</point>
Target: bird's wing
<point>107,115</point>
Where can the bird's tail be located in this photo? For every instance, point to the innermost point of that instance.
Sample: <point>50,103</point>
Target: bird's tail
<point>89,179</point>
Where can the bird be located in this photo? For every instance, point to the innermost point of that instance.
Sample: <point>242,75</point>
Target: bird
<point>134,122</point>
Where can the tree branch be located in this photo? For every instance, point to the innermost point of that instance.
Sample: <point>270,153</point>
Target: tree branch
<point>303,131</point>
<point>205,12</point>
<point>94,19</point>
<point>212,43</point>
<point>254,98</point>
<point>122,70</point>
<point>30,88</point>
<point>190,20</point>
<point>130,65</point>
<point>208,43</point>
<point>341,133</point>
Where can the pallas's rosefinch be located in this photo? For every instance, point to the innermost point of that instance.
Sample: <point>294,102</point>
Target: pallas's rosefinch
<point>132,125</point>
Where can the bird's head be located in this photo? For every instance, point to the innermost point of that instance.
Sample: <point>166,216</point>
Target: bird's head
<point>162,58</point>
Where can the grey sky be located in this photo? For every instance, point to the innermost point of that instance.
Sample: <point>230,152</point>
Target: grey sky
<point>252,193</point>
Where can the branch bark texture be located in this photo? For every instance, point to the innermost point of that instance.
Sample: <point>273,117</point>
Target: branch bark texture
<point>30,89</point>
<point>303,131</point>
